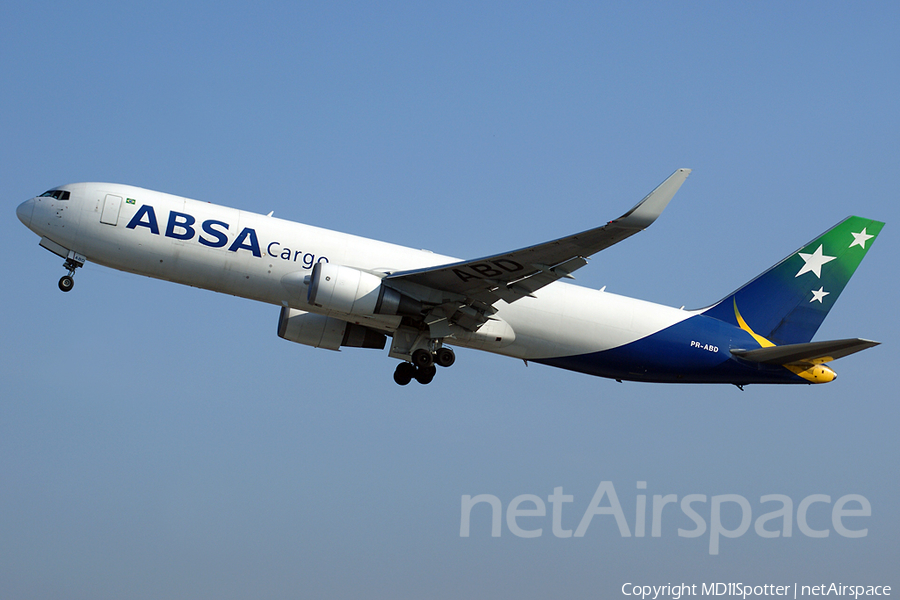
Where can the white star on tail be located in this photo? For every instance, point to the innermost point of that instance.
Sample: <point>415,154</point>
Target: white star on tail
<point>819,294</point>
<point>860,239</point>
<point>813,262</point>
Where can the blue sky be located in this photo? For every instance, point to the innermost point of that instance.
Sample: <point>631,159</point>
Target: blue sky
<point>162,441</point>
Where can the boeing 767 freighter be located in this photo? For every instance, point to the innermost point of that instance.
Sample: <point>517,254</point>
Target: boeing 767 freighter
<point>336,289</point>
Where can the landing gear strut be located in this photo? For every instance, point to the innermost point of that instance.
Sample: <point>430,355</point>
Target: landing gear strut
<point>422,368</point>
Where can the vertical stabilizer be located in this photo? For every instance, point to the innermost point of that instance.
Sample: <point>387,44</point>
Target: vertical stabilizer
<point>787,303</point>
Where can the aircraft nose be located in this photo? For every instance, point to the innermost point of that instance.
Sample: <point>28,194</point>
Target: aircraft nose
<point>24,212</point>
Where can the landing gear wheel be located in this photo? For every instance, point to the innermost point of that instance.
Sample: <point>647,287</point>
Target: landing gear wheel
<point>424,375</point>
<point>444,357</point>
<point>404,373</point>
<point>422,358</point>
<point>66,283</point>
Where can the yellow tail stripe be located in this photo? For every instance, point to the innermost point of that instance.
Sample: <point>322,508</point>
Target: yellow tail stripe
<point>743,325</point>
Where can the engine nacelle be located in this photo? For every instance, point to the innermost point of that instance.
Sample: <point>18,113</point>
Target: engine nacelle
<point>320,331</point>
<point>350,291</point>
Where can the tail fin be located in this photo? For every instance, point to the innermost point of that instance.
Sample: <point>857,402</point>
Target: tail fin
<point>787,303</point>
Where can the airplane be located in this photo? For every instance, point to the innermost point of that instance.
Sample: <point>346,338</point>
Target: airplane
<point>340,290</point>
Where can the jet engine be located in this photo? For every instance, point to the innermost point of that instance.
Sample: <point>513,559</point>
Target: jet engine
<point>350,291</point>
<point>320,331</point>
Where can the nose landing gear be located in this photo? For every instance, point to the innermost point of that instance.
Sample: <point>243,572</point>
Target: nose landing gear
<point>73,261</point>
<point>422,368</point>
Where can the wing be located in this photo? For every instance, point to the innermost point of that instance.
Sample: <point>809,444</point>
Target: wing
<point>479,284</point>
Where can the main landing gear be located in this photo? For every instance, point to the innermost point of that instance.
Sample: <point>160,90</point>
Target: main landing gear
<point>422,368</point>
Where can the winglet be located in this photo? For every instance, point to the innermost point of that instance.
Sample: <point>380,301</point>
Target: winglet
<point>647,210</point>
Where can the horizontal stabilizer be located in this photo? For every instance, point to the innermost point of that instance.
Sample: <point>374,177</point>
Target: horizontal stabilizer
<point>812,352</point>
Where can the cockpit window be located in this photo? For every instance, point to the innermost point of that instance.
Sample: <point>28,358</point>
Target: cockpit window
<point>58,194</point>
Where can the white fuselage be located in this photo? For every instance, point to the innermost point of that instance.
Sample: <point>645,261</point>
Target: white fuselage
<point>266,259</point>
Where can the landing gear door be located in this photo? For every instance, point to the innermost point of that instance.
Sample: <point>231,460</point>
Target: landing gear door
<point>111,206</point>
